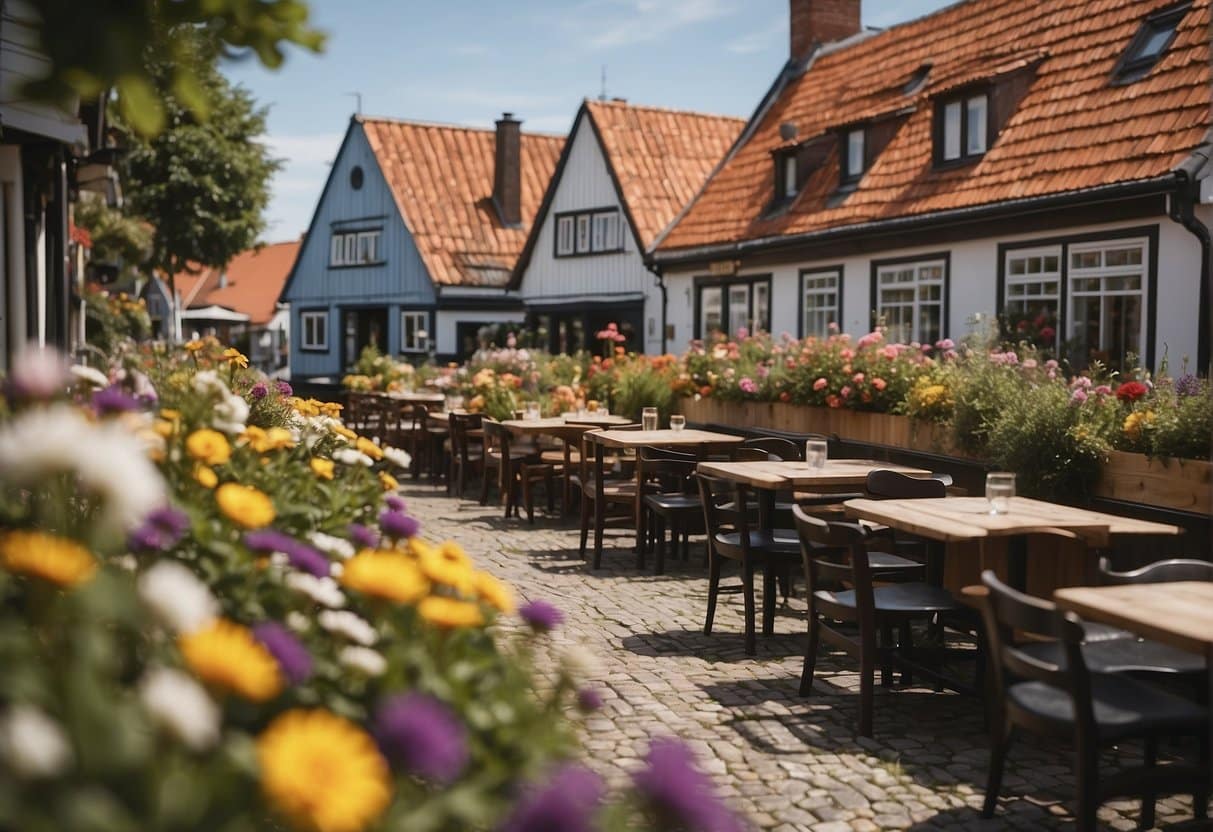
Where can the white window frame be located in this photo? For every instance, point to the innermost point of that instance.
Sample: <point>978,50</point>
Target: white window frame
<point>337,250</point>
<point>718,307</point>
<point>1103,272</point>
<point>977,119</point>
<point>790,175</point>
<point>564,236</point>
<point>582,235</point>
<point>370,252</point>
<point>346,248</point>
<point>856,150</point>
<point>421,323</point>
<point>917,304</point>
<point>964,127</point>
<point>754,316</point>
<point>1035,290</point>
<point>311,322</point>
<point>593,231</point>
<point>819,285</point>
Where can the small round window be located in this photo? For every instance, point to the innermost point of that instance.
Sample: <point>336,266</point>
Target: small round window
<point>356,177</point>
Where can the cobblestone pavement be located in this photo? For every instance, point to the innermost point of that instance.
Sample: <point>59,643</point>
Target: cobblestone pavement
<point>785,762</point>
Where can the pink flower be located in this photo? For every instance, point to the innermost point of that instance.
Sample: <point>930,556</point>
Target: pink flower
<point>1051,364</point>
<point>847,354</point>
<point>870,339</point>
<point>763,371</point>
<point>925,348</point>
<point>820,384</point>
<point>857,378</point>
<point>1103,390</point>
<point>879,383</point>
<point>832,327</point>
<point>833,401</point>
<point>747,385</point>
<point>1079,396</point>
<point>1029,364</point>
<point>946,344</point>
<point>743,333</point>
<point>511,341</point>
<point>845,391</point>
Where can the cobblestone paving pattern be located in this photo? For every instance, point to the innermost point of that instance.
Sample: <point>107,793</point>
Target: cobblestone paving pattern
<point>784,762</point>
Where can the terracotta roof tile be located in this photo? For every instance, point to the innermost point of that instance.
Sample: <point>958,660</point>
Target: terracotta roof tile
<point>441,177</point>
<point>254,281</point>
<point>1071,130</point>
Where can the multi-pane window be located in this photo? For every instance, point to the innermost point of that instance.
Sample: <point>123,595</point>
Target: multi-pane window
<point>820,305</point>
<point>356,248</point>
<point>855,160</point>
<point>962,128</point>
<point>1107,301</point>
<point>413,334</point>
<point>588,232</point>
<point>314,326</point>
<point>735,306</point>
<point>909,299</point>
<point>1032,295</point>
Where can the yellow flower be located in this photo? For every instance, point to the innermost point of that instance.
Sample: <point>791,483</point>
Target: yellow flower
<point>205,476</point>
<point>330,409</point>
<point>494,592</point>
<point>226,655</point>
<point>342,430</point>
<point>244,505</point>
<point>261,440</point>
<point>450,613</point>
<point>447,564</point>
<point>321,467</point>
<point>208,446</point>
<point>164,428</point>
<point>368,447</point>
<point>233,356</point>
<point>323,772</point>
<point>56,559</point>
<point>385,573</point>
<point>1138,421</point>
<point>170,414</point>
<point>389,482</point>
<point>194,346</point>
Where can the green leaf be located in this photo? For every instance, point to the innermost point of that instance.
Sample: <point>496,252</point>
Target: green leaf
<point>140,106</point>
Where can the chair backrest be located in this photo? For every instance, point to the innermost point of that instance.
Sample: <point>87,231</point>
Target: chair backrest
<point>460,424</point>
<point>1007,611</point>
<point>744,454</point>
<point>1175,569</point>
<point>496,436</point>
<point>776,448</point>
<point>724,510</point>
<point>890,485</point>
<point>671,470</point>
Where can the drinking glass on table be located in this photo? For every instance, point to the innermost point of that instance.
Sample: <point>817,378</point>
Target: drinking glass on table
<point>532,411</point>
<point>815,453</point>
<point>678,422</point>
<point>1000,488</point>
<point>648,419</point>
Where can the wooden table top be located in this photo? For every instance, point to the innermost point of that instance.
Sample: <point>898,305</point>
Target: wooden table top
<point>421,396</point>
<point>1179,613</point>
<point>665,438</point>
<point>552,425</point>
<point>775,474</point>
<point>969,518</point>
<point>595,419</point>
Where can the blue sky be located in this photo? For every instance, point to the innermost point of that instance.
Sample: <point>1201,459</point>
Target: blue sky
<point>466,61</point>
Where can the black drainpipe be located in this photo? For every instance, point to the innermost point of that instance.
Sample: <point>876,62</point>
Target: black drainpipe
<point>665,298</point>
<point>1183,211</point>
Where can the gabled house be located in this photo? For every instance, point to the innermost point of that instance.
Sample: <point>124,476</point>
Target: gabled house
<point>624,173</point>
<point>413,241</point>
<point>1048,163</point>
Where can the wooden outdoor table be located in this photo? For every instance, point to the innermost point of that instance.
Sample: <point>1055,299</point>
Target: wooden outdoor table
<point>417,396</point>
<point>966,519</point>
<point>595,419</point>
<point>1176,613</point>
<point>563,430</point>
<point>776,475</point>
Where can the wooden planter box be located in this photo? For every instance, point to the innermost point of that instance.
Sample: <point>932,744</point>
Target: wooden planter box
<point>1181,484</point>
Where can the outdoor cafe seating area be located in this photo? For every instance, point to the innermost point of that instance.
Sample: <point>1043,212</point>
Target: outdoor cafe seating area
<point>1045,615</point>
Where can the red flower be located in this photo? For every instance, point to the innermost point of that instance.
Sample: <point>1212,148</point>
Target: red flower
<point>1047,333</point>
<point>785,396</point>
<point>1131,391</point>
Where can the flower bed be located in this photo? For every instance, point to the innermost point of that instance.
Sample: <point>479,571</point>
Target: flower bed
<point>215,613</point>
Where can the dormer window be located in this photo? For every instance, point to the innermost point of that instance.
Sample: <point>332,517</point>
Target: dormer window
<point>962,128</point>
<point>1148,45</point>
<point>855,162</point>
<point>788,170</point>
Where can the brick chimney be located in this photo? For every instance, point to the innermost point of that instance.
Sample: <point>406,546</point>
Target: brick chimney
<point>815,22</point>
<point>507,170</point>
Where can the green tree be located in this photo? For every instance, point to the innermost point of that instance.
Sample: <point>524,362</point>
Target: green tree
<point>99,45</point>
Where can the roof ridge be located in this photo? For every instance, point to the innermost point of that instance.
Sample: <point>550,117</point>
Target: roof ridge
<point>446,125</point>
<point>657,108</point>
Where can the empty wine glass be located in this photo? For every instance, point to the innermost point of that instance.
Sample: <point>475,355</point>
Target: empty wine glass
<point>815,453</point>
<point>1000,488</point>
<point>648,419</point>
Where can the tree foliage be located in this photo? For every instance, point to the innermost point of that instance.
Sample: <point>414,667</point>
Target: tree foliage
<point>99,45</point>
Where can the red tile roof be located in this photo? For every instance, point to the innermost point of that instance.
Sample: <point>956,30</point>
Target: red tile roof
<point>660,157</point>
<point>254,279</point>
<point>442,179</point>
<point>1072,130</point>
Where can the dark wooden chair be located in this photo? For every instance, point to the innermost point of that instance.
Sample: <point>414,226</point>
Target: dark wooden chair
<point>1064,699</point>
<point>732,536</point>
<point>836,554</point>
<point>674,502</point>
<point>425,441</point>
<point>1163,571</point>
<point>776,448</point>
<point>516,468</point>
<point>598,494</point>
<point>467,450</point>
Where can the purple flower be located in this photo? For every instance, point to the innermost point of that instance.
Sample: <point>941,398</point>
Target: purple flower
<point>259,390</point>
<point>363,537</point>
<point>114,399</point>
<point>679,794</point>
<point>422,736</point>
<point>1187,385</point>
<point>542,616</point>
<point>394,502</point>
<point>396,524</point>
<point>567,803</point>
<point>589,700</point>
<point>301,556</point>
<point>283,388</point>
<point>160,530</point>
<point>288,651</point>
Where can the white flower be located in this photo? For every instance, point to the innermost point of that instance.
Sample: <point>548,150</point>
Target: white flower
<point>88,375</point>
<point>348,456</point>
<point>397,457</point>
<point>38,372</point>
<point>230,414</point>
<point>337,570</point>
<point>109,463</point>
<point>321,590</point>
<point>298,622</point>
<point>179,705</point>
<point>346,623</point>
<point>33,743</point>
<point>362,659</point>
<point>331,544</point>
<point>177,597</point>
<point>207,382</point>
<point>580,662</point>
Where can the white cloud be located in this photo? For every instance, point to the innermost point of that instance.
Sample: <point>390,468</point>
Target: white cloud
<point>759,40</point>
<point>303,149</point>
<point>612,23</point>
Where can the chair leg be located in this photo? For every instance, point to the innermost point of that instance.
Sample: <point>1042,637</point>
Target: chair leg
<point>747,589</point>
<point>770,577</point>
<point>549,479</point>
<point>906,646</point>
<point>1000,744</point>
<point>659,530</point>
<point>585,524</point>
<point>886,654</point>
<point>1200,799</point>
<point>810,654</point>
<point>599,530</point>
<point>1088,785</point>
<point>713,591</point>
<point>867,682</point>
<point>1149,759</point>
<point>484,486</point>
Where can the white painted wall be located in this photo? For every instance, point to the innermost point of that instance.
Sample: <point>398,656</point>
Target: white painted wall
<point>445,320</point>
<point>586,183</point>
<point>973,276</point>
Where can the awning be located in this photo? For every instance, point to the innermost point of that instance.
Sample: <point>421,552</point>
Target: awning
<point>214,313</point>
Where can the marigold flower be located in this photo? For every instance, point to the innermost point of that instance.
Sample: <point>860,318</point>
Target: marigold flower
<point>263,441</point>
<point>227,656</point>
<point>447,564</point>
<point>369,448</point>
<point>1137,422</point>
<point>233,356</point>
<point>385,573</point>
<point>208,446</point>
<point>389,482</point>
<point>60,560</point>
<point>342,430</point>
<point>194,346</point>
<point>493,591</point>
<point>321,467</point>
<point>323,772</point>
<point>205,476</point>
<point>244,505</point>
<point>450,613</point>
